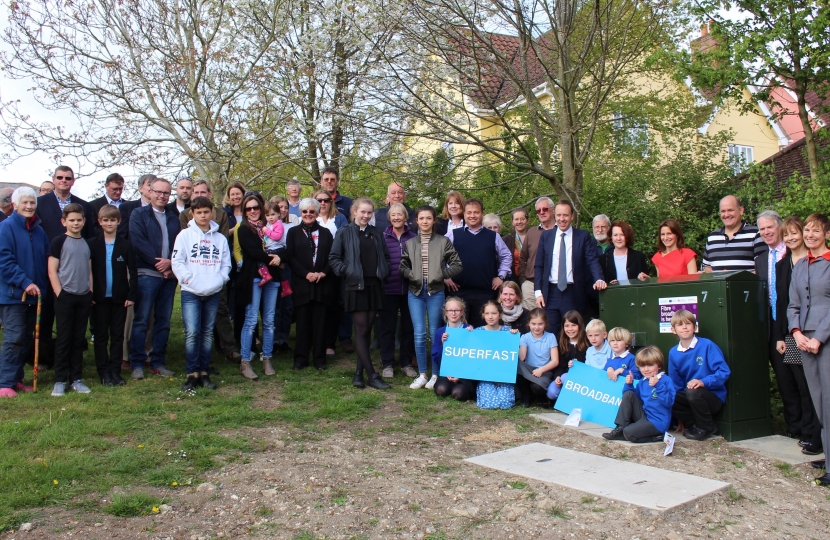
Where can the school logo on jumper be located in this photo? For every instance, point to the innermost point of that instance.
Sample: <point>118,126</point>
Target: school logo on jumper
<point>700,360</point>
<point>654,393</point>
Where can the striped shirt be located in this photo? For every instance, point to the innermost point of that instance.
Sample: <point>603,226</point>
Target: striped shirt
<point>425,255</point>
<point>737,253</point>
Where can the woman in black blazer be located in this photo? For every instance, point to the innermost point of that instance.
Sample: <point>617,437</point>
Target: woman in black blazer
<point>810,437</point>
<point>308,246</point>
<point>634,262</point>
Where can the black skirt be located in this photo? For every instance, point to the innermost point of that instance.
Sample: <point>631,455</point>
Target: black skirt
<point>369,299</point>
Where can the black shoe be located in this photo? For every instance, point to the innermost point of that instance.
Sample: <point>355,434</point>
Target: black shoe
<point>377,382</point>
<point>810,450</point>
<point>823,481</point>
<point>207,383</point>
<point>106,380</point>
<point>803,442</point>
<point>298,367</point>
<point>358,381</point>
<point>698,434</point>
<point>322,367</point>
<point>192,383</point>
<point>117,379</point>
<point>817,464</point>
<point>615,434</point>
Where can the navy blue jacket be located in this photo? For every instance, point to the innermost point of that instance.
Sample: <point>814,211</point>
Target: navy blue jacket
<point>586,267</point>
<point>49,212</point>
<point>23,256</point>
<point>127,208</point>
<point>145,235</point>
<point>344,205</point>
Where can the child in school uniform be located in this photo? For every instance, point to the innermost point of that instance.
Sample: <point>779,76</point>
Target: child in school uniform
<point>459,389</point>
<point>114,279</point>
<point>70,274</point>
<point>600,351</point>
<point>573,344</point>
<point>645,412</point>
<point>621,361</point>
<point>493,395</point>
<point>699,372</point>
<point>538,358</point>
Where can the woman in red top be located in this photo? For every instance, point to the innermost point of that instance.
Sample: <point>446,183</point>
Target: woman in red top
<point>673,258</point>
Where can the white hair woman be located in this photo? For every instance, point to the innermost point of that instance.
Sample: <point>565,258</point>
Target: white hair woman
<point>24,249</point>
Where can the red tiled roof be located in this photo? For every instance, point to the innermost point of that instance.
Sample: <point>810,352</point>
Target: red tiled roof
<point>492,86</point>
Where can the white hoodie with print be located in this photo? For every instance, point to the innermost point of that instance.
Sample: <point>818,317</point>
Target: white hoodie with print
<point>201,260</point>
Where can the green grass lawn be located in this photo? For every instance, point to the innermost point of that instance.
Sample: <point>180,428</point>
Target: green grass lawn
<point>71,451</point>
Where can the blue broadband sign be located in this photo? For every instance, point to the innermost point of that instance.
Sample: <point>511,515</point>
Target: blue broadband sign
<point>480,355</point>
<point>591,390</point>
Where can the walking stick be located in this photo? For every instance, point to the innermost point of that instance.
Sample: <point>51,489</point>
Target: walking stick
<point>37,340</point>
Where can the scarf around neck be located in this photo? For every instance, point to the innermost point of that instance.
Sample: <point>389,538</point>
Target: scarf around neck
<point>510,315</point>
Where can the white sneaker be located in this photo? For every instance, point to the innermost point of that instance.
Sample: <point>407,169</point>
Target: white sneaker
<point>431,383</point>
<point>59,390</point>
<point>79,387</point>
<point>420,382</point>
<point>388,373</point>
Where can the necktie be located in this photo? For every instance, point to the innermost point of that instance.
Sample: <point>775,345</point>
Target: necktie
<point>562,282</point>
<point>774,297</point>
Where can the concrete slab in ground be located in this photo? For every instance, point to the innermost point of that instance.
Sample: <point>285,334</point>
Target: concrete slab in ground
<point>596,430</point>
<point>649,487</point>
<point>778,447</point>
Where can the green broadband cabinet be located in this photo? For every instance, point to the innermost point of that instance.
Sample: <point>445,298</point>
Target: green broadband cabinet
<point>731,311</point>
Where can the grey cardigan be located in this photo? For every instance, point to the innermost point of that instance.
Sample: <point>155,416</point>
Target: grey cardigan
<point>444,263</point>
<point>809,308</point>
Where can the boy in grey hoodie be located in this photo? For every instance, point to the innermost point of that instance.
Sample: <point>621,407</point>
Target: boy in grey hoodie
<point>201,261</point>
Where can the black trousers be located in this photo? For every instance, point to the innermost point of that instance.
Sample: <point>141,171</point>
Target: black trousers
<point>46,350</point>
<point>463,390</point>
<point>787,389</point>
<point>475,300</point>
<point>395,305</point>
<point>109,319</point>
<point>810,426</point>
<point>696,407</point>
<point>632,418</point>
<point>310,333</point>
<point>72,318</point>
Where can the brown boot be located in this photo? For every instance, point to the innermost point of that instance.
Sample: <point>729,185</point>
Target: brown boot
<point>247,371</point>
<point>266,365</point>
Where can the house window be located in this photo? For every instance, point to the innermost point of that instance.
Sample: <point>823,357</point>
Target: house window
<point>631,135</point>
<point>740,157</point>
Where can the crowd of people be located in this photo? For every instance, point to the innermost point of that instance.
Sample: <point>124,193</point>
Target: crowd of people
<point>343,269</point>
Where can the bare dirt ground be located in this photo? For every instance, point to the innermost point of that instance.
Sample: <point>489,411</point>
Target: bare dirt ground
<point>357,481</point>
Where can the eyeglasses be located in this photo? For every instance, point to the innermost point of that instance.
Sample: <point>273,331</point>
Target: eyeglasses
<point>543,210</point>
<point>251,208</point>
<point>453,310</point>
<point>165,193</point>
<point>309,212</point>
<point>70,178</point>
<point>324,200</point>
<point>251,193</point>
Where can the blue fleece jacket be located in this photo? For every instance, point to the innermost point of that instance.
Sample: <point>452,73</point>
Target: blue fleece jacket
<point>24,249</point>
<point>626,362</point>
<point>657,400</point>
<point>438,347</point>
<point>704,362</point>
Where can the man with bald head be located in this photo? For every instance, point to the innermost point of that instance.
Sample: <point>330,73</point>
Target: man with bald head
<point>395,194</point>
<point>736,244</point>
<point>6,207</point>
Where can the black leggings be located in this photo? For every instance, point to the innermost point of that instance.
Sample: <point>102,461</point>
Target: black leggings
<point>363,321</point>
<point>463,390</point>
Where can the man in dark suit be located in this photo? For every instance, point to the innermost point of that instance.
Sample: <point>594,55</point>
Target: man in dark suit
<point>184,192</point>
<point>395,193</point>
<point>114,187</point>
<point>567,268</point>
<point>769,225</point>
<point>126,208</point>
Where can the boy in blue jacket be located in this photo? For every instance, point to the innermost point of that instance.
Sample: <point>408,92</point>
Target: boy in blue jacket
<point>699,373</point>
<point>645,411</point>
<point>622,361</point>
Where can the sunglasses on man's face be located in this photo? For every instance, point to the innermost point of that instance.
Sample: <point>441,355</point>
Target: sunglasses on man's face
<point>68,178</point>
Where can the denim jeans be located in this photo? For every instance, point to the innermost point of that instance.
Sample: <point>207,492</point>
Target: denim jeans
<point>269,295</point>
<point>18,341</point>
<point>422,307</point>
<point>199,315</point>
<point>152,293</point>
